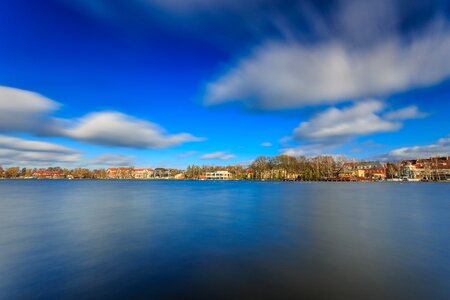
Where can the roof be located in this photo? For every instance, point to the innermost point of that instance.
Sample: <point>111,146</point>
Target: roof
<point>117,169</point>
<point>349,164</point>
<point>370,164</point>
<point>48,172</point>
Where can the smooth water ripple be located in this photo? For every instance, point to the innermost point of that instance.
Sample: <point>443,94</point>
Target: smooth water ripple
<point>203,240</point>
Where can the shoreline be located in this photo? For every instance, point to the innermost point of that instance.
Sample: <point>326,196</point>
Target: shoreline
<point>229,180</point>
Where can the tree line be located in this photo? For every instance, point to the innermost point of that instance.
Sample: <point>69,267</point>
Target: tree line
<point>285,167</point>
<point>281,167</point>
<point>78,173</point>
<point>84,173</point>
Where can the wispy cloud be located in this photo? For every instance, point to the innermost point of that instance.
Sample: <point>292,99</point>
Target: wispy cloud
<point>19,151</point>
<point>266,144</point>
<point>410,112</point>
<point>441,147</point>
<point>309,149</point>
<point>340,51</point>
<point>288,75</point>
<point>335,127</point>
<point>218,155</point>
<point>24,111</point>
<point>120,130</point>
<point>17,144</point>
<point>114,160</point>
<point>339,125</point>
<point>308,52</point>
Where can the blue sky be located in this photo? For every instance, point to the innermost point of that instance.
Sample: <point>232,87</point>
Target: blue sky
<point>170,83</point>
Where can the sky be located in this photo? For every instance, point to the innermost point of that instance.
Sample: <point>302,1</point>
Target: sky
<point>169,83</point>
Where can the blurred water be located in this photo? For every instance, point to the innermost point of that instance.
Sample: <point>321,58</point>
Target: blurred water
<point>203,240</point>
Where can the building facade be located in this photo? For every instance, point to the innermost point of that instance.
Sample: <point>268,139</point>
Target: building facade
<point>143,173</point>
<point>218,175</point>
<point>42,174</point>
<point>366,170</point>
<point>434,168</point>
<point>129,173</point>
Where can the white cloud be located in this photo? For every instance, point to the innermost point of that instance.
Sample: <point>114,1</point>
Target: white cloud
<point>339,125</point>
<point>266,144</point>
<point>18,151</point>
<point>290,74</point>
<point>18,144</point>
<point>309,150</point>
<point>332,128</point>
<point>410,112</point>
<point>120,130</point>
<point>115,160</point>
<point>218,155</point>
<point>441,147</point>
<point>22,110</point>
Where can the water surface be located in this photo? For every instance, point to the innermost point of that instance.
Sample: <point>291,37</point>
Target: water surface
<point>203,240</point>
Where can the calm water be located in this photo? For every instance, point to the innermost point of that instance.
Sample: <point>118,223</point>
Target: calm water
<point>140,239</point>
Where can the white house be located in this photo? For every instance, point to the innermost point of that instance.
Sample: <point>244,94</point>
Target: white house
<point>218,175</point>
<point>143,173</point>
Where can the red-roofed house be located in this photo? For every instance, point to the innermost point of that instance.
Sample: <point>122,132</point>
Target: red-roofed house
<point>43,174</point>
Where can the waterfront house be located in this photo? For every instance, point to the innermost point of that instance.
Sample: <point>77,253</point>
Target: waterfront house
<point>434,168</point>
<point>363,170</point>
<point>348,170</point>
<point>218,175</point>
<point>43,174</point>
<point>143,173</point>
<point>119,173</point>
<point>372,169</point>
<point>180,176</point>
<point>129,173</point>
<point>162,173</point>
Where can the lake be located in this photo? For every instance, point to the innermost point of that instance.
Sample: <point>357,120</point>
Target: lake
<point>205,239</point>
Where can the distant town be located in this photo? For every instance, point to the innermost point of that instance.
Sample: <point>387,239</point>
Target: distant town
<point>282,167</point>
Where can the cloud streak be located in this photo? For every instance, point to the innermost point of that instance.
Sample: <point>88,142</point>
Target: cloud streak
<point>309,149</point>
<point>24,111</point>
<point>218,155</point>
<point>23,152</point>
<point>334,127</point>
<point>339,125</point>
<point>441,148</point>
<point>115,160</point>
<point>280,75</point>
<point>410,112</point>
<point>120,130</point>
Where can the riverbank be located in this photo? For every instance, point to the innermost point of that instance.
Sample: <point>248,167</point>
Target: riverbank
<point>353,180</point>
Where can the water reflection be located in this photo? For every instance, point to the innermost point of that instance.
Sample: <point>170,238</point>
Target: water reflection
<point>126,239</point>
